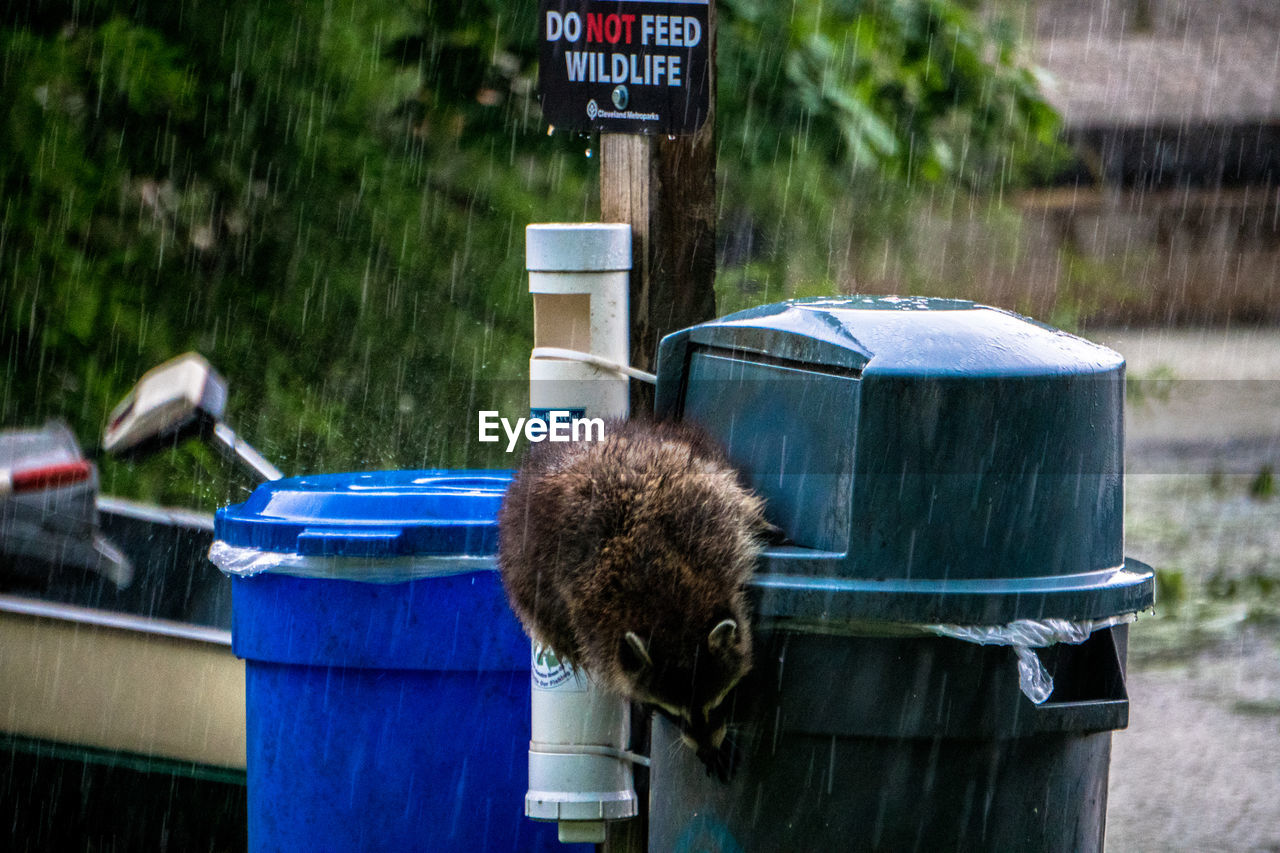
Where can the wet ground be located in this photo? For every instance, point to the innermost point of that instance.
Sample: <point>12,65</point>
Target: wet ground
<point>1198,769</point>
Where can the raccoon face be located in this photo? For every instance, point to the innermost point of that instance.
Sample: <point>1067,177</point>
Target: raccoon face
<point>691,693</point>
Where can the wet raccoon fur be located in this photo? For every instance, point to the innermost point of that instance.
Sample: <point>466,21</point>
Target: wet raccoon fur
<point>629,557</point>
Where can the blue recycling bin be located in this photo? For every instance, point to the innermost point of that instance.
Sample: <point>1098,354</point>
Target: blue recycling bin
<point>387,682</point>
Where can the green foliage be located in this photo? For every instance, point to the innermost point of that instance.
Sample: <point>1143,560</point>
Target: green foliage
<point>919,89</point>
<point>1263,486</point>
<point>1171,590</point>
<point>1154,386</point>
<point>840,121</point>
<point>243,180</point>
<point>1254,585</point>
<point>327,199</point>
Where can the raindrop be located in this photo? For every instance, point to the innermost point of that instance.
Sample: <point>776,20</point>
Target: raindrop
<point>831,766</point>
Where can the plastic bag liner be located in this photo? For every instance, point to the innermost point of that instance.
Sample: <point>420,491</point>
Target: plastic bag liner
<point>247,562</point>
<point>1027,635</point>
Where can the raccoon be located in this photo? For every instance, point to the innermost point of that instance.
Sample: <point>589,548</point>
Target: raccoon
<point>629,557</point>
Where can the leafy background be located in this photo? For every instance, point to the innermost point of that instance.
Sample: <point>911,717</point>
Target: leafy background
<point>327,199</point>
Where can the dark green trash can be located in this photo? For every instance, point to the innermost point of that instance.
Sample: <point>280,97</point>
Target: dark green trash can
<point>944,470</point>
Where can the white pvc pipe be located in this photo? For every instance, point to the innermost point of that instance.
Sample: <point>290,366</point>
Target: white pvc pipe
<point>581,259</point>
<point>580,773</point>
<point>579,770</point>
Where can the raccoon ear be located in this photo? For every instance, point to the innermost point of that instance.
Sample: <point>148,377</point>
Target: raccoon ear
<point>635,654</point>
<point>723,636</point>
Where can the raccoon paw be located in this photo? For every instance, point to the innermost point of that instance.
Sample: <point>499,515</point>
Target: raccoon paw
<point>723,762</point>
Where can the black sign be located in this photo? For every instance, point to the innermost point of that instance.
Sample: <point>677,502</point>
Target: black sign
<point>625,66</point>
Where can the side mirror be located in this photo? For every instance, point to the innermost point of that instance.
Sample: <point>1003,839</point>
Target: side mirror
<point>180,398</point>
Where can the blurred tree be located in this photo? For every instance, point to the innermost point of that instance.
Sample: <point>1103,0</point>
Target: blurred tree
<point>328,198</point>
<point>837,119</point>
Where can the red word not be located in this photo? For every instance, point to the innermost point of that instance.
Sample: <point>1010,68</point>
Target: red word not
<point>602,27</point>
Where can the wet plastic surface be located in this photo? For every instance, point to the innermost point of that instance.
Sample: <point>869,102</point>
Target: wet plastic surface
<point>388,712</point>
<point>932,461</point>
<point>938,466</point>
<point>900,744</point>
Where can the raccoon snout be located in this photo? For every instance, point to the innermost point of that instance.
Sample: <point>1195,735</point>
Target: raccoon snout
<point>699,741</point>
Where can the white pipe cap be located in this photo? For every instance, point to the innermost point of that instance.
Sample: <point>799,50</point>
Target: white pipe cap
<point>577,247</point>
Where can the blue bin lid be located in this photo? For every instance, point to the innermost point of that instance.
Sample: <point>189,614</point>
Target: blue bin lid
<point>371,516</point>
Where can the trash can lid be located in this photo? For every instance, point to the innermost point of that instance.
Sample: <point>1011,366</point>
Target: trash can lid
<point>380,514</point>
<point>910,336</point>
<point>936,461</point>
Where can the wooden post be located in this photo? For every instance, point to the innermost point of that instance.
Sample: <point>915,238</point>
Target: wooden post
<point>627,195</point>
<point>665,187</point>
